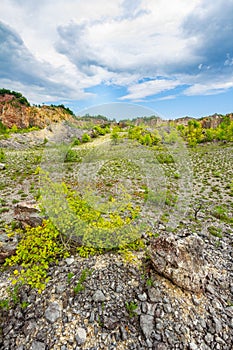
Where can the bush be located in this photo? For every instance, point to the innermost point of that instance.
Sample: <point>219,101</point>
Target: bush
<point>2,155</point>
<point>72,156</point>
<point>38,247</point>
<point>86,138</point>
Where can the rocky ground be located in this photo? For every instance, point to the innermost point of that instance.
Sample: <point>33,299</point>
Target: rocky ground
<point>165,316</point>
<point>176,294</point>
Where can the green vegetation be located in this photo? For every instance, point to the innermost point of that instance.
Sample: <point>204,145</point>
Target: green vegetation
<point>217,232</point>
<point>70,276</point>
<point>72,156</point>
<point>94,228</point>
<point>86,138</point>
<point>38,247</point>
<point>144,136</point>
<point>79,286</point>
<point>100,130</point>
<point>131,307</point>
<point>194,133</point>
<point>2,155</point>
<point>66,109</point>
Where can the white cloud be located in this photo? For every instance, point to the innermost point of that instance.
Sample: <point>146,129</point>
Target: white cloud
<point>210,88</point>
<point>75,45</point>
<point>149,88</point>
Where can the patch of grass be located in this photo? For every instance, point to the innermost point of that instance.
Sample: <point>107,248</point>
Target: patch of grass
<point>69,276</point>
<point>4,210</point>
<point>215,231</point>
<point>131,307</point>
<point>79,286</point>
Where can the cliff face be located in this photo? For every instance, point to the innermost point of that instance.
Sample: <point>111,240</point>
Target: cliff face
<point>12,112</point>
<point>213,121</point>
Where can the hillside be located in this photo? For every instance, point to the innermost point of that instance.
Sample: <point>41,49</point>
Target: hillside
<point>16,111</point>
<point>114,236</point>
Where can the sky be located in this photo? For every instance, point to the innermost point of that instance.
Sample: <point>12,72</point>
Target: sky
<point>142,57</point>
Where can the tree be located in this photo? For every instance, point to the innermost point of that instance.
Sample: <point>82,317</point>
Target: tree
<point>115,137</point>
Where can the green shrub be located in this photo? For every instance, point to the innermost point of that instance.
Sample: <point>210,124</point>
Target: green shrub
<point>2,155</point>
<point>72,156</point>
<point>165,158</point>
<point>38,247</point>
<point>86,138</point>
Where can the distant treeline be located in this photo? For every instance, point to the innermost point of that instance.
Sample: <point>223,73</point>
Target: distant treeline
<point>99,116</point>
<point>66,109</point>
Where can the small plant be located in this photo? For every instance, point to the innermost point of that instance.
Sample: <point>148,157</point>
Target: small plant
<point>149,282</point>
<point>2,155</point>
<point>24,305</point>
<point>86,138</point>
<point>72,156</point>
<point>69,276</point>
<point>131,307</point>
<point>4,304</point>
<point>15,201</point>
<point>165,158</point>
<point>85,252</point>
<point>79,286</point>
<point>76,142</point>
<point>4,210</point>
<point>214,231</point>
<point>197,208</point>
<point>115,138</point>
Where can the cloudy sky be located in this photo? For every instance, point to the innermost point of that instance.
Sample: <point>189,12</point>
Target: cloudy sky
<point>173,57</point>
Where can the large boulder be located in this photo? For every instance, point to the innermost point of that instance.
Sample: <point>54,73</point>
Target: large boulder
<point>180,260</point>
<point>28,214</point>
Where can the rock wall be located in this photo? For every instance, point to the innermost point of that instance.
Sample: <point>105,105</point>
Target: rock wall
<point>12,112</point>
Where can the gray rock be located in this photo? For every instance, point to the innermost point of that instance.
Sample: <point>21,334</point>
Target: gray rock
<point>123,333</point>
<point>2,166</point>
<point>180,260</point>
<point>81,335</point>
<point>210,289</point>
<point>28,213</point>
<point>7,246</point>
<point>160,346</point>
<point>70,260</point>
<point>60,288</point>
<point>209,338</point>
<point>218,325</point>
<point>37,345</point>
<point>53,312</point>
<point>99,296</point>
<point>142,297</point>
<point>193,346</point>
<point>147,325</point>
<point>153,294</point>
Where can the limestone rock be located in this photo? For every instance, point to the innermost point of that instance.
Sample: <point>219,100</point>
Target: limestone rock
<point>180,260</point>
<point>53,312</point>
<point>37,345</point>
<point>28,213</point>
<point>80,336</point>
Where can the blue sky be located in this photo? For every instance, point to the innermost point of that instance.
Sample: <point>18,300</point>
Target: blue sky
<point>142,56</point>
